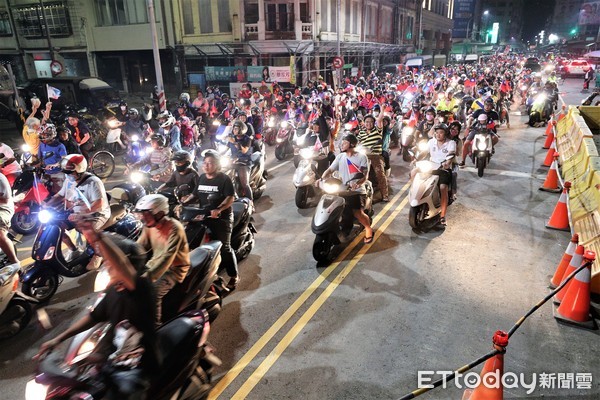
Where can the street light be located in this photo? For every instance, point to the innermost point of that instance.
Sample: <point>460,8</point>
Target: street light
<point>486,14</point>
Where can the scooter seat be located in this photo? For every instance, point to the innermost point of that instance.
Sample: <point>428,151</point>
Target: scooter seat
<point>175,341</point>
<point>117,212</point>
<point>189,213</point>
<point>238,207</point>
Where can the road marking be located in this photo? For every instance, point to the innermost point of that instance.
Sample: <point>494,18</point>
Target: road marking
<point>278,166</point>
<point>513,174</point>
<point>226,380</point>
<point>264,367</point>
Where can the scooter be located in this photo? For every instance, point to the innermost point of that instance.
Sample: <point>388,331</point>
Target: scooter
<point>482,150</point>
<point>308,172</point>
<point>301,133</point>
<point>283,146</point>
<point>15,307</point>
<point>242,234</point>
<point>186,369</point>
<point>331,219</point>
<point>425,197</point>
<point>407,139</point>
<point>42,278</point>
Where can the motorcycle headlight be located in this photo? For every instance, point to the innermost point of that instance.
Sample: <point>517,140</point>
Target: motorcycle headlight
<point>300,140</point>
<point>423,146</point>
<point>135,138</point>
<point>408,130</point>
<point>330,187</point>
<point>216,122</point>
<point>225,162</point>
<point>280,140</point>
<point>524,88</point>
<point>25,148</point>
<point>306,153</point>
<point>541,97</point>
<point>136,177</point>
<point>481,146</point>
<point>142,153</point>
<point>283,124</point>
<point>44,216</point>
<point>113,123</point>
<point>35,391</point>
<point>102,280</point>
<point>271,123</point>
<point>348,127</point>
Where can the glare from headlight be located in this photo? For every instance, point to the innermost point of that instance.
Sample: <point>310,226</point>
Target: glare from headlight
<point>26,148</point>
<point>331,187</point>
<point>423,146</point>
<point>481,145</point>
<point>136,177</point>
<point>271,123</point>
<point>225,162</point>
<point>216,122</point>
<point>35,391</point>
<point>300,140</point>
<point>283,124</point>
<point>135,138</point>
<point>142,153</point>
<point>45,216</point>
<point>541,97</point>
<point>524,88</point>
<point>425,166</point>
<point>306,153</point>
<point>408,130</point>
<point>348,127</point>
<point>280,140</point>
<point>113,123</point>
<point>102,280</point>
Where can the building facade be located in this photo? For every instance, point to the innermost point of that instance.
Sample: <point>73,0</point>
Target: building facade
<point>435,26</point>
<point>508,14</point>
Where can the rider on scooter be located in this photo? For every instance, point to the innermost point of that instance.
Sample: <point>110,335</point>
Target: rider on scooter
<point>483,122</point>
<point>349,163</point>
<point>240,145</point>
<point>184,174</point>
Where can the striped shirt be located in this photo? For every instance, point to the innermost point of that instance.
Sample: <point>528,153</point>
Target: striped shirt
<point>373,140</point>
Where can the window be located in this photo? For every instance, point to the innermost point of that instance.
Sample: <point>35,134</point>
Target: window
<point>355,17</point>
<point>348,28</point>
<point>5,29</point>
<point>409,27</point>
<point>224,16</point>
<point>251,12</point>
<point>279,16</point>
<point>205,11</point>
<point>188,17</point>
<point>30,20</point>
<point>121,12</point>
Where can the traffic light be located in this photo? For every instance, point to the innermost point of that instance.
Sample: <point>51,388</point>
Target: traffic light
<point>573,31</point>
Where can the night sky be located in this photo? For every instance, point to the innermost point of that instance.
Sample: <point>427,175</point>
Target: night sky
<point>536,14</point>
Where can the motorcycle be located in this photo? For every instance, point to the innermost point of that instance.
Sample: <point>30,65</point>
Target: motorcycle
<point>257,181</point>
<point>41,279</point>
<point>331,220</point>
<point>503,111</point>
<point>407,139</point>
<point>425,197</point>
<point>540,109</point>
<point>270,132</point>
<point>242,234</point>
<point>301,133</point>
<point>15,307</point>
<point>284,146</point>
<point>482,150</point>
<point>186,369</point>
<point>314,162</point>
<point>29,190</point>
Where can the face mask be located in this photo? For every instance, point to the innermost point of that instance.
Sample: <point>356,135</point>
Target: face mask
<point>429,117</point>
<point>123,108</point>
<point>181,168</point>
<point>70,177</point>
<point>376,113</point>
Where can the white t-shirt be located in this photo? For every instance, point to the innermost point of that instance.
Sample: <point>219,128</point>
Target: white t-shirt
<point>91,190</point>
<point>349,167</point>
<point>438,153</point>
<point>6,193</point>
<point>11,168</point>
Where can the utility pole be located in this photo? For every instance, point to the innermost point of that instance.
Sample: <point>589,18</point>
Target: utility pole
<point>420,25</point>
<point>339,52</point>
<point>47,30</point>
<point>162,102</point>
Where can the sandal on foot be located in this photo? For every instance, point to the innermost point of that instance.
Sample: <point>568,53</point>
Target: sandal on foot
<point>368,239</point>
<point>443,221</point>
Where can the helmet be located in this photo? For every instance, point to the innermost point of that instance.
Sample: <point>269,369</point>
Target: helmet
<point>128,193</point>
<point>169,122</point>
<point>184,121</point>
<point>184,97</point>
<point>154,203</point>
<point>182,156</point>
<point>48,132</point>
<point>288,95</point>
<point>369,91</point>
<point>369,116</point>
<point>489,100</point>
<point>255,110</point>
<point>241,126</point>
<point>182,105</point>
<point>350,138</point>
<point>354,101</point>
<point>430,109</point>
<point>481,91</point>
<point>73,163</point>
<point>133,251</point>
<point>133,111</point>
<point>159,139</point>
<point>449,92</point>
<point>212,153</point>
<point>442,126</point>
<point>482,118</point>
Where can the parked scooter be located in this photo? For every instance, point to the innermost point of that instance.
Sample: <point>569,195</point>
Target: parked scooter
<point>186,369</point>
<point>330,220</point>
<point>41,279</point>
<point>425,197</point>
<point>15,307</point>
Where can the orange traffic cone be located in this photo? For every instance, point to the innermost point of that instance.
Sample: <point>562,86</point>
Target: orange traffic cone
<point>559,219</point>
<point>490,386</point>
<point>549,126</point>
<point>549,155</point>
<point>575,307</point>
<point>573,265</point>
<point>563,113</point>
<point>550,135</point>
<point>551,182</point>
<point>564,262</point>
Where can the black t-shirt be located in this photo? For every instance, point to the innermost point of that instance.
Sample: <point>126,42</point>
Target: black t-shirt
<point>190,178</point>
<point>220,184</point>
<point>138,307</point>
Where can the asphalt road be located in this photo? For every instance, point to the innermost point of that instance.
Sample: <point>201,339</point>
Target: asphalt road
<point>364,326</point>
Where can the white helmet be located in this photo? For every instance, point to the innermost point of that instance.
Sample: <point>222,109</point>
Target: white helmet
<point>73,163</point>
<point>169,122</point>
<point>184,97</point>
<point>482,118</point>
<point>154,203</point>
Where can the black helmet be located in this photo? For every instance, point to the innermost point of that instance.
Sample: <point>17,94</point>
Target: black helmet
<point>489,100</point>
<point>255,110</point>
<point>430,109</point>
<point>159,139</point>
<point>370,116</point>
<point>242,127</point>
<point>350,138</point>
<point>182,156</point>
<point>48,132</point>
<point>457,124</point>
<point>133,111</point>
<point>442,126</point>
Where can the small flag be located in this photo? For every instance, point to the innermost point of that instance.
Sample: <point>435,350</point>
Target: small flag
<point>352,168</point>
<point>53,93</point>
<point>36,190</point>
<point>82,197</point>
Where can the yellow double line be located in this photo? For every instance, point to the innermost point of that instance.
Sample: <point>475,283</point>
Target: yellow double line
<point>264,367</point>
